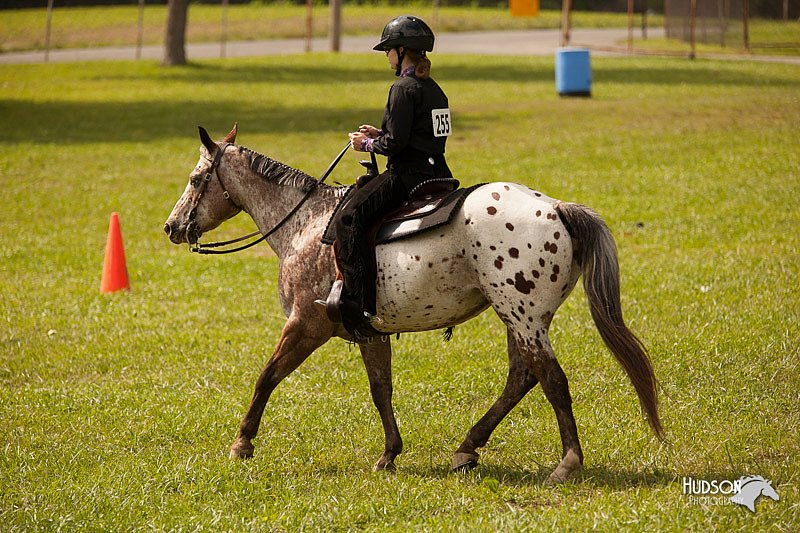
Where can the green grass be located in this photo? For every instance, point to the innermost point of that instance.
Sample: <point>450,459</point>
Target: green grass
<point>116,412</point>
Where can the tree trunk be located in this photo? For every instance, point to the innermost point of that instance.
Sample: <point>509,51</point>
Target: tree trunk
<point>175,38</point>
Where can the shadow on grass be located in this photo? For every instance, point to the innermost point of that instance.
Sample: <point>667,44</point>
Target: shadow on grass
<point>149,118</point>
<point>145,121</point>
<point>614,70</point>
<point>78,123</point>
<point>597,476</point>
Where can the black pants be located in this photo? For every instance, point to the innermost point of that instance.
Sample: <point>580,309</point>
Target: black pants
<point>354,249</point>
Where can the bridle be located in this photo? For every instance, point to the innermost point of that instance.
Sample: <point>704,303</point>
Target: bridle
<point>209,248</point>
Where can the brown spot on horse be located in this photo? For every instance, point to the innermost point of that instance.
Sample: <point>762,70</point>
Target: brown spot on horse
<point>523,285</point>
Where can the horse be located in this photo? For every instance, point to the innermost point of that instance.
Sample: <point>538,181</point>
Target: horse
<point>508,247</point>
<point>751,487</point>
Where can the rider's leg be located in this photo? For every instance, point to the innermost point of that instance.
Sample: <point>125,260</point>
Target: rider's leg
<point>356,255</point>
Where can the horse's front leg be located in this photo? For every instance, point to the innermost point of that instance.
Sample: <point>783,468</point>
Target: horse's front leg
<point>378,362</point>
<point>299,339</point>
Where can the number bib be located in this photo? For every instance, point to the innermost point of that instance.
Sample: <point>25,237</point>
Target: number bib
<point>441,122</point>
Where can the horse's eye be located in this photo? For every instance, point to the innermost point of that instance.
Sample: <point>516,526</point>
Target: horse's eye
<point>195,181</point>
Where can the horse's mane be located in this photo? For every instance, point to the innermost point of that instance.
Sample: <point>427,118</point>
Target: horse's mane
<point>283,174</point>
<point>749,479</point>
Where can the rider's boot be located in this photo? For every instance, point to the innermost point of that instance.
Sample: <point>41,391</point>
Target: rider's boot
<point>348,309</point>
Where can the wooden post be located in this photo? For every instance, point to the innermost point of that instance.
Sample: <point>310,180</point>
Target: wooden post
<point>630,26</point>
<point>47,31</point>
<point>140,30</point>
<point>746,24</point>
<point>785,10</point>
<point>309,33</point>
<point>566,7</point>
<point>692,26</point>
<point>336,25</point>
<point>644,19</point>
<point>224,29</point>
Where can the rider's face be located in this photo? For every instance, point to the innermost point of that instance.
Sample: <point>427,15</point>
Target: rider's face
<point>391,55</point>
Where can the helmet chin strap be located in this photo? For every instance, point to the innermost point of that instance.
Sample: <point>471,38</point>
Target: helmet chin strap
<point>400,57</point>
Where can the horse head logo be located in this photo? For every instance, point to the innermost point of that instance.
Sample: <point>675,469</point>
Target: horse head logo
<point>750,488</point>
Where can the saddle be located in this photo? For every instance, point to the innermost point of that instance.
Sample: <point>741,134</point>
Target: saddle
<point>432,203</point>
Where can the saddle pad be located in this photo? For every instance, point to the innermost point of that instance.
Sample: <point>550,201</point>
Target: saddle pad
<point>433,213</point>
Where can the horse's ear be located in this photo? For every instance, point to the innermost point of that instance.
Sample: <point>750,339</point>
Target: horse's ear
<point>205,138</point>
<point>231,137</point>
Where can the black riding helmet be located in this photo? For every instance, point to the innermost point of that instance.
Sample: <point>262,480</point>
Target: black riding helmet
<point>408,31</point>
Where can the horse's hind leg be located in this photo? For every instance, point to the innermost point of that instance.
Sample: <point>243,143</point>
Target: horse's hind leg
<point>541,360</point>
<point>378,362</point>
<point>298,340</point>
<point>520,380</point>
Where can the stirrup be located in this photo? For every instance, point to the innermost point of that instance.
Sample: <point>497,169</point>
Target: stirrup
<point>333,305</point>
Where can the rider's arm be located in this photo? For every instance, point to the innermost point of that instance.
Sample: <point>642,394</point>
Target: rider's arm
<point>398,119</point>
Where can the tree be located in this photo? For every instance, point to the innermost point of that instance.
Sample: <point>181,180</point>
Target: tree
<point>175,38</point>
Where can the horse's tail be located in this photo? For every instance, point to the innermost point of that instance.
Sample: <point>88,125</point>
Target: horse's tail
<point>597,256</point>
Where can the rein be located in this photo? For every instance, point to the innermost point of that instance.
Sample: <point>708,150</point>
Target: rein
<point>208,249</point>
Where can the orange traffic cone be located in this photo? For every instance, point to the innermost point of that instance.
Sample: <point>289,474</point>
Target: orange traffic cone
<point>115,273</point>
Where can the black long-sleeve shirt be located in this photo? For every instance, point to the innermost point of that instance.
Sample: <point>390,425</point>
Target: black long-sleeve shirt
<point>416,123</point>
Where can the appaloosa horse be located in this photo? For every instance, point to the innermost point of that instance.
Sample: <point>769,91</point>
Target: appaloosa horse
<point>508,247</point>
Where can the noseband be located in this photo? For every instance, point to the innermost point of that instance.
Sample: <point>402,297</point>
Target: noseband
<point>208,249</point>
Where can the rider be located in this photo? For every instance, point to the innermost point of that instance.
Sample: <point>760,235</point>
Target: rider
<point>415,126</point>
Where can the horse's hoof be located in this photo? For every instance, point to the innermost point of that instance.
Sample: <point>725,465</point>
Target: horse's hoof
<point>568,466</point>
<point>242,449</point>
<point>385,466</point>
<point>465,461</point>
<point>386,463</point>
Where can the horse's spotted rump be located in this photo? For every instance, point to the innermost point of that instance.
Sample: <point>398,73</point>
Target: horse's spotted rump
<point>509,226</point>
<point>513,252</point>
<point>492,210</point>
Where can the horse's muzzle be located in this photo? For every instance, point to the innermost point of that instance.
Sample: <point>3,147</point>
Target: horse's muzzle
<point>178,235</point>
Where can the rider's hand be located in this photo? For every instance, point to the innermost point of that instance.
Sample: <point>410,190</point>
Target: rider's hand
<point>357,141</point>
<point>370,131</point>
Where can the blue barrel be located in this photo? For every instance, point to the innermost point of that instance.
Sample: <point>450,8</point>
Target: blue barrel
<point>573,72</point>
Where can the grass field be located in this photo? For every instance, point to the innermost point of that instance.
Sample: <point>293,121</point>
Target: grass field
<point>117,411</point>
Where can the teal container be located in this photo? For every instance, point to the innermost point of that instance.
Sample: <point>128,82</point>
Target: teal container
<point>573,72</point>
